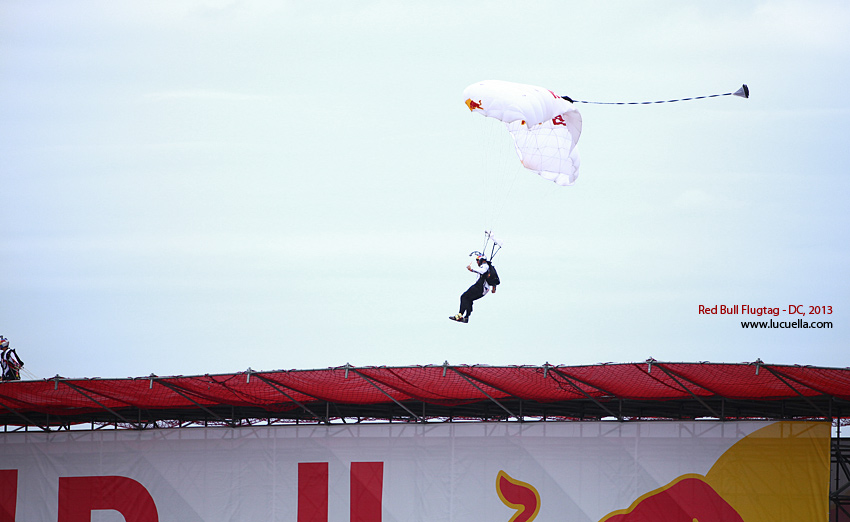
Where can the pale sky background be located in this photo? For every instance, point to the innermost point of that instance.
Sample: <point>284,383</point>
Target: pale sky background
<point>205,186</point>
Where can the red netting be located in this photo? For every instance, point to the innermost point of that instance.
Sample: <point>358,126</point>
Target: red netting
<point>442,385</point>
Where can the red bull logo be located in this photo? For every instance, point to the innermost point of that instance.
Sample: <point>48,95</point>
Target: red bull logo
<point>518,495</point>
<point>776,473</point>
<point>686,499</point>
<point>474,105</point>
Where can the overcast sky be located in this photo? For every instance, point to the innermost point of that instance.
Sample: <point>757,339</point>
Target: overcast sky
<point>205,186</point>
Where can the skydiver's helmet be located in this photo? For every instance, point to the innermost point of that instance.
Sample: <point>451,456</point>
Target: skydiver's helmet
<point>480,260</point>
<point>4,343</point>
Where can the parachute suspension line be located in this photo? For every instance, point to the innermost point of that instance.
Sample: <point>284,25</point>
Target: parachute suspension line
<point>743,92</point>
<point>502,202</point>
<point>488,236</point>
<point>501,174</point>
<point>494,250</point>
<point>496,156</point>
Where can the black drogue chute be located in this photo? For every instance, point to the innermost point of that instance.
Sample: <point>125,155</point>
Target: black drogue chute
<point>743,92</point>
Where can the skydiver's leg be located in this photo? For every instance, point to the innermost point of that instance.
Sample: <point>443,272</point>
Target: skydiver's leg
<point>465,304</point>
<point>474,292</point>
<point>465,307</point>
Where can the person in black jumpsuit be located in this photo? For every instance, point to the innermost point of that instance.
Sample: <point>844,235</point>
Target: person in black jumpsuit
<point>474,292</point>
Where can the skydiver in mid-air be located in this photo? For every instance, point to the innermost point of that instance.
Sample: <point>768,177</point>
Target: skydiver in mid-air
<point>487,282</point>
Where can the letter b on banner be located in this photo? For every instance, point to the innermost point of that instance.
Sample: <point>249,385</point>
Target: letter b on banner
<point>79,496</point>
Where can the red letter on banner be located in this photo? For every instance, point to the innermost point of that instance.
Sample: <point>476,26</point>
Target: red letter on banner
<point>312,492</point>
<point>367,483</point>
<point>8,494</point>
<point>79,496</point>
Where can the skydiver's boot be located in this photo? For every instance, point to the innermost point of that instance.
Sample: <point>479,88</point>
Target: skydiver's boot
<point>458,317</point>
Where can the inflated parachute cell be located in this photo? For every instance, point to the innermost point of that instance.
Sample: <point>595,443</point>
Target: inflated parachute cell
<point>544,126</point>
<point>547,149</point>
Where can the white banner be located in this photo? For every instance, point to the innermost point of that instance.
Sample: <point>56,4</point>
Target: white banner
<point>552,471</point>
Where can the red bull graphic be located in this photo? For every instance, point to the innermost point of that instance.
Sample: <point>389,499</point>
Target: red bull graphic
<point>518,495</point>
<point>686,499</point>
<point>474,105</point>
<point>544,472</point>
<point>743,475</point>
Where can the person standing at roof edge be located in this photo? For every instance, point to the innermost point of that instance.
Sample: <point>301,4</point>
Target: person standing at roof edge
<point>478,290</point>
<point>10,363</point>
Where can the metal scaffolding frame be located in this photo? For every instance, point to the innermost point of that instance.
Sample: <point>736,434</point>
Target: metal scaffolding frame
<point>839,485</point>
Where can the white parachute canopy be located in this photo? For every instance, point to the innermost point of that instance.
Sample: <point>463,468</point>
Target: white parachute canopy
<point>545,127</point>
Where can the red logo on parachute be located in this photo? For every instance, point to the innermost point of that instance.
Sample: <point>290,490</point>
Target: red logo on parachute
<point>474,105</point>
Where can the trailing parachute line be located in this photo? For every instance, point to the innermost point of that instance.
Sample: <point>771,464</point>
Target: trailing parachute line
<point>743,92</point>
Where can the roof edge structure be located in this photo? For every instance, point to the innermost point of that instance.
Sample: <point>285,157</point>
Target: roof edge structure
<point>649,390</point>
